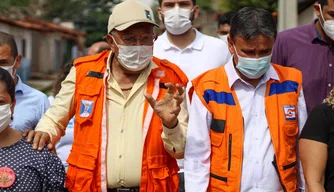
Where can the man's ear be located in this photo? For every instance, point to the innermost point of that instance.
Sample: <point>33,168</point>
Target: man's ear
<point>160,14</point>
<point>230,45</point>
<point>316,8</point>
<point>196,12</point>
<point>18,62</point>
<point>111,43</point>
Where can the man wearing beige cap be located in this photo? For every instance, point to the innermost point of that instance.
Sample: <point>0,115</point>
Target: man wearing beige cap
<point>122,141</point>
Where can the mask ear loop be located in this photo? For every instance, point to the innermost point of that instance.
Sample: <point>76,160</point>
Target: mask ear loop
<point>321,16</point>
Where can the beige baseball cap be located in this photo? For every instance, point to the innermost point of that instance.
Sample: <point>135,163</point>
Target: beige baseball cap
<point>129,13</point>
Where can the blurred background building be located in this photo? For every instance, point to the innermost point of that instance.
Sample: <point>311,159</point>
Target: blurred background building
<point>50,33</point>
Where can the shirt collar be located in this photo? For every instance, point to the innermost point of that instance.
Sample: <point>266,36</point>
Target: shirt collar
<point>19,86</point>
<point>315,35</point>
<point>233,75</point>
<point>197,44</point>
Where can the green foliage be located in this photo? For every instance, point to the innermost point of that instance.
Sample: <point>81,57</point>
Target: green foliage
<point>90,16</point>
<point>5,4</point>
<point>204,4</point>
<point>234,5</point>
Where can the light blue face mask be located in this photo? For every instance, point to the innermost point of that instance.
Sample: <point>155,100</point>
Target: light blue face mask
<point>253,68</point>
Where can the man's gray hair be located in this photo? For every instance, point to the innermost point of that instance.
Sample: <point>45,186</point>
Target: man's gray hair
<point>251,22</point>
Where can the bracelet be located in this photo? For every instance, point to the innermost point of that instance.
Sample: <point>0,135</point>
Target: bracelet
<point>171,127</point>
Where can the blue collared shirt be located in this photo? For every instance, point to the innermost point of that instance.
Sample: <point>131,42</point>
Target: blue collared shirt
<point>30,106</point>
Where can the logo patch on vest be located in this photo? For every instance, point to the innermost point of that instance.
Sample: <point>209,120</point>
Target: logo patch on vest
<point>86,108</point>
<point>289,112</point>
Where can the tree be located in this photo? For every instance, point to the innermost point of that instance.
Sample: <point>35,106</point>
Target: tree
<point>234,5</point>
<point>90,16</point>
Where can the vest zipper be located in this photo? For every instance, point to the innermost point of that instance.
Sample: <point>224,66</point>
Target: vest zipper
<point>229,152</point>
<point>279,176</point>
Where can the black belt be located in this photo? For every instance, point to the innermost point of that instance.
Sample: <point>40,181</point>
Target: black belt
<point>124,189</point>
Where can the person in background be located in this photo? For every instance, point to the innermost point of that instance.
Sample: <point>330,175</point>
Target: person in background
<point>183,45</point>
<point>223,27</point>
<point>64,145</point>
<point>21,167</point>
<point>130,118</point>
<point>316,147</point>
<point>245,116</point>
<point>310,49</point>
<point>31,104</point>
<point>98,47</point>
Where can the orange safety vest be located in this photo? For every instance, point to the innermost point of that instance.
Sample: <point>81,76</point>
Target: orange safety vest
<point>87,171</point>
<point>227,126</point>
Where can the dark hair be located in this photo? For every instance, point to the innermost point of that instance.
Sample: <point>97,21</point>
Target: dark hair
<point>7,79</point>
<point>225,18</point>
<point>62,74</point>
<point>194,2</point>
<point>250,22</point>
<point>6,39</point>
<point>323,2</point>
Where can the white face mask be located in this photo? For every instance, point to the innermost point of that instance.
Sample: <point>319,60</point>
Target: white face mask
<point>5,116</point>
<point>177,20</point>
<point>223,37</point>
<point>328,26</point>
<point>10,69</point>
<point>134,58</point>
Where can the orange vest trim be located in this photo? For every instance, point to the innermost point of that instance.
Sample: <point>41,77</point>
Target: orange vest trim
<point>87,160</point>
<point>227,126</point>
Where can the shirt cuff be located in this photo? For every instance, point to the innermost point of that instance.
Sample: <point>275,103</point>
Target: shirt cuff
<point>174,141</point>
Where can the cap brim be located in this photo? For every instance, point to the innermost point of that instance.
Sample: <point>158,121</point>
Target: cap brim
<point>127,25</point>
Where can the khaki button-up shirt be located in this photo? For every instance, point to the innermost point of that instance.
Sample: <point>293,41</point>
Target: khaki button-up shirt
<point>124,123</point>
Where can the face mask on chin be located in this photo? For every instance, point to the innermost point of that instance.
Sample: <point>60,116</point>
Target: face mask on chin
<point>328,25</point>
<point>10,69</point>
<point>253,68</point>
<point>134,58</point>
<point>177,20</point>
<point>5,116</point>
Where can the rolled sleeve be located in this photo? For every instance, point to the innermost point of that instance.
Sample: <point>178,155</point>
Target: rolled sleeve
<point>198,148</point>
<point>175,139</point>
<point>56,118</point>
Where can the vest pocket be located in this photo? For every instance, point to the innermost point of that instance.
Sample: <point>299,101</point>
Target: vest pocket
<point>162,175</point>
<point>82,164</point>
<point>216,138</point>
<point>86,102</point>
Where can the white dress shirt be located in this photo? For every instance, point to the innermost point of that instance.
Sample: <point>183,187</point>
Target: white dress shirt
<point>258,173</point>
<point>203,54</point>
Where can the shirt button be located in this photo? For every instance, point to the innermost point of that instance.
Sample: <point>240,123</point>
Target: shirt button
<point>122,131</point>
<point>330,65</point>
<point>329,85</point>
<point>120,156</point>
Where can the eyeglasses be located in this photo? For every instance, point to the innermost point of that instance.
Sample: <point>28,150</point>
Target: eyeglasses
<point>146,39</point>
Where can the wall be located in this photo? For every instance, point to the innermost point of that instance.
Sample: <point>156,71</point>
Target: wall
<point>307,16</point>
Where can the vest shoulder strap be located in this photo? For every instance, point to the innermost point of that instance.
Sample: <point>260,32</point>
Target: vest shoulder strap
<point>210,82</point>
<point>91,58</point>
<point>289,74</point>
<point>172,73</point>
